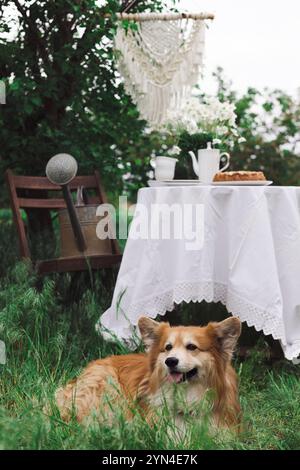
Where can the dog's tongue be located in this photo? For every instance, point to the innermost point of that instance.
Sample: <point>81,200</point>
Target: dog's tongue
<point>175,377</point>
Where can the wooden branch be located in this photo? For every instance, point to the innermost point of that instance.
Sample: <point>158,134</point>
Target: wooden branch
<point>162,16</point>
<point>34,29</point>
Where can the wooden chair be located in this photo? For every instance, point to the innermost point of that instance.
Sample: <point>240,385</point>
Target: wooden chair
<point>26,200</point>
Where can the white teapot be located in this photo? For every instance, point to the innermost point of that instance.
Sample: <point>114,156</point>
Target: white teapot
<point>208,163</point>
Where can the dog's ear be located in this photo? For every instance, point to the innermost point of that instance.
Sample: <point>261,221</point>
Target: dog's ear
<point>226,334</point>
<point>149,330</point>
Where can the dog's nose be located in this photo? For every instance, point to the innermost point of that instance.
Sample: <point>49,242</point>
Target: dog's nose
<point>171,362</point>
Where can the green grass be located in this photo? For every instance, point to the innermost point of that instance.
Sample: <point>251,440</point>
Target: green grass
<point>49,338</point>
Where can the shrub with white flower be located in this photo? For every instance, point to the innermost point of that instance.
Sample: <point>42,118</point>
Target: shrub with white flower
<point>209,121</point>
<point>169,144</point>
<point>173,151</point>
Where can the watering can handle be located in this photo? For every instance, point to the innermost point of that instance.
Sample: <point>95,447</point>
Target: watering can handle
<point>82,198</point>
<point>79,196</point>
<point>85,195</point>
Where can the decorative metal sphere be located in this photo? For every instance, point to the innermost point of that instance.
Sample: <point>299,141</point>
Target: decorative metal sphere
<point>61,168</point>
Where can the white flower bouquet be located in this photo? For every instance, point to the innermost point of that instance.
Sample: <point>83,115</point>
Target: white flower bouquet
<point>202,122</point>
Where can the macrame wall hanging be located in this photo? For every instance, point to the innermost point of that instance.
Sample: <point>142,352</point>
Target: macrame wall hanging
<point>160,60</point>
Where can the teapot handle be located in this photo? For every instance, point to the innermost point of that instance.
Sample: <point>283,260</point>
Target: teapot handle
<point>152,162</point>
<point>225,154</point>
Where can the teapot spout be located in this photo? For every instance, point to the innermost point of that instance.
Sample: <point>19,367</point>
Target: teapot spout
<point>195,162</point>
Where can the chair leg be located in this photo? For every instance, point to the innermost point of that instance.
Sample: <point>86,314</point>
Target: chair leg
<point>39,283</point>
<point>75,286</point>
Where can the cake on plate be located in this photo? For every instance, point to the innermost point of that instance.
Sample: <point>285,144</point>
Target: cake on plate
<point>240,176</point>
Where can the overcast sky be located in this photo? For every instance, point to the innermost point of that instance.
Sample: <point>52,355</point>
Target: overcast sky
<point>257,42</point>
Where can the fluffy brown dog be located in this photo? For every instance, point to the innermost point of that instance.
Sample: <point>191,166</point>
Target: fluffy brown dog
<point>190,359</point>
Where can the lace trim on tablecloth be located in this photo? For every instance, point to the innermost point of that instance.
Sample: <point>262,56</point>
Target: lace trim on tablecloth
<point>292,351</point>
<point>262,320</point>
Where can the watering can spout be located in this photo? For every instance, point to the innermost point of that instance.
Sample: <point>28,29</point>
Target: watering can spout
<point>195,162</point>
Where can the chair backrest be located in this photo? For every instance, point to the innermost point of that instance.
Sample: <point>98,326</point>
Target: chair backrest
<point>31,184</point>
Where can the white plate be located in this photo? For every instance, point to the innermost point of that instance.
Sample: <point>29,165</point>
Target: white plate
<point>155,183</point>
<point>242,183</point>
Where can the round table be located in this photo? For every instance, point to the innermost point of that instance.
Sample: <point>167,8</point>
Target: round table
<point>246,255</point>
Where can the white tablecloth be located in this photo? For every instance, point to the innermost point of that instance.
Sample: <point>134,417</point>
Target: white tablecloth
<point>250,261</point>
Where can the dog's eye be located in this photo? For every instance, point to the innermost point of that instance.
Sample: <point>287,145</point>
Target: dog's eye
<point>169,347</point>
<point>191,347</point>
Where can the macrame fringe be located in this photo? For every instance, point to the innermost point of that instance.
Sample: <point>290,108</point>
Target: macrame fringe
<point>160,64</point>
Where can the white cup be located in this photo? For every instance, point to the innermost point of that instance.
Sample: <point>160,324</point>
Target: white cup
<point>164,168</point>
